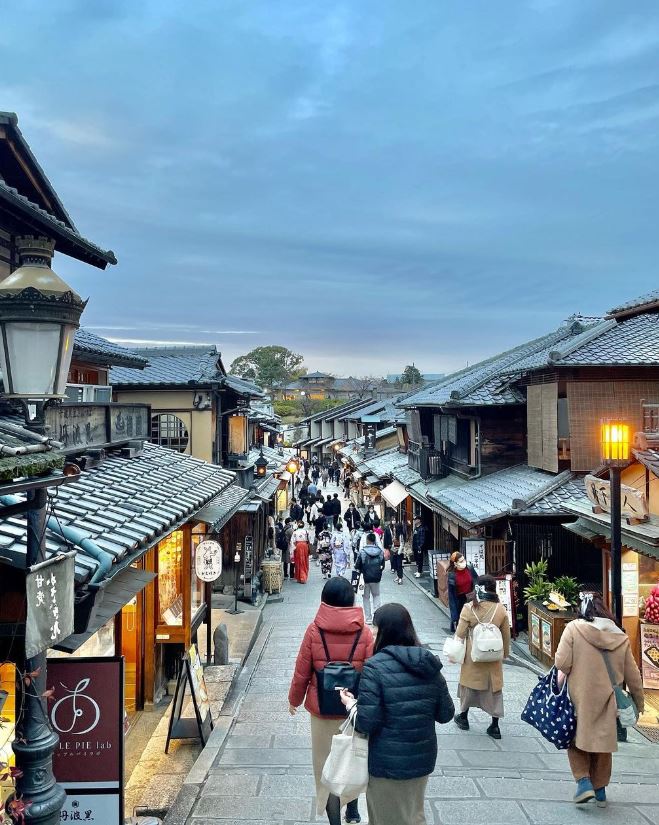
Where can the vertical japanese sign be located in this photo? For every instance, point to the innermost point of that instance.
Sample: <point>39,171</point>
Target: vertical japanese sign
<point>87,713</point>
<point>507,599</point>
<point>370,430</point>
<point>650,655</point>
<point>474,553</point>
<point>49,588</point>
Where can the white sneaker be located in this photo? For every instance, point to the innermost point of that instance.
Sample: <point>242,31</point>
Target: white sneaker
<point>417,575</point>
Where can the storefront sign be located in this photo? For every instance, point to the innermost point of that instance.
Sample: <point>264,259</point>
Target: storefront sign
<point>49,603</point>
<point>191,676</point>
<point>535,630</point>
<point>629,589</point>
<point>370,430</point>
<point>87,713</point>
<point>208,560</point>
<point>505,594</point>
<point>94,425</point>
<point>633,503</point>
<point>650,655</point>
<point>474,553</point>
<point>546,637</point>
<point>128,422</point>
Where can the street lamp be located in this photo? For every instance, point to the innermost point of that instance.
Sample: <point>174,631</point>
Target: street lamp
<point>261,465</point>
<point>39,314</point>
<point>292,468</point>
<point>614,444</point>
<point>236,562</point>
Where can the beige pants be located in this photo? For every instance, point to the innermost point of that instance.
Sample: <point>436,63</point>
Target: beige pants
<point>396,801</point>
<point>597,766</point>
<point>322,731</point>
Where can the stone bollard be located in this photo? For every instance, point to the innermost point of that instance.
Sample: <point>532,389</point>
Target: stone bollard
<point>220,645</point>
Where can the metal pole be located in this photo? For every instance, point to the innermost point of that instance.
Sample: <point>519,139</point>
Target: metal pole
<point>616,545</point>
<point>208,594</point>
<point>236,561</point>
<point>35,740</point>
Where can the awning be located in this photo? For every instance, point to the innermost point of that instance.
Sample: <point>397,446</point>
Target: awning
<point>356,475</point>
<point>372,479</point>
<point>590,530</point>
<point>114,594</point>
<point>583,529</point>
<point>394,493</point>
<point>219,510</point>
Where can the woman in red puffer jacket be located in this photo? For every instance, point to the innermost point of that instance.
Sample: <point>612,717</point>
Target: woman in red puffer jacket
<point>340,622</point>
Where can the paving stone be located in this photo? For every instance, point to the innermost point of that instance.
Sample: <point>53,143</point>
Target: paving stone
<point>479,812</point>
<point>509,759</point>
<point>471,741</point>
<point>238,741</point>
<point>182,806</point>
<point>651,812</point>
<point>258,808</point>
<point>567,813</point>
<point>271,756</point>
<point>293,740</point>
<point>527,789</point>
<point>288,786</point>
<point>237,784</point>
<point>449,787</point>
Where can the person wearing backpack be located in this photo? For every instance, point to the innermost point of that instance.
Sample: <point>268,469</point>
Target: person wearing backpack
<point>370,563</point>
<point>296,512</point>
<point>338,626</point>
<point>485,627</point>
<point>594,654</point>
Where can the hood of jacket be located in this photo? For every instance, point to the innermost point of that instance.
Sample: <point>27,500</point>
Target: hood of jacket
<point>339,619</point>
<point>417,660</point>
<point>372,550</point>
<point>601,633</point>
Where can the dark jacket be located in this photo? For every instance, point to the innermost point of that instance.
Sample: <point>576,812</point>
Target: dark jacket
<point>296,512</point>
<point>419,538</point>
<point>402,693</point>
<point>328,507</point>
<point>336,507</point>
<point>352,518</point>
<point>454,607</point>
<point>370,562</point>
<point>388,538</point>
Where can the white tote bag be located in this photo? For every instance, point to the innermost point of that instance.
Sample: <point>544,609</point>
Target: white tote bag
<point>454,649</point>
<point>345,773</point>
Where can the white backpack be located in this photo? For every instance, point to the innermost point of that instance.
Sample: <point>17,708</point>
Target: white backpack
<point>486,640</point>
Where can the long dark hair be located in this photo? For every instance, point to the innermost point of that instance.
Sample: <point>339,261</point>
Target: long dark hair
<point>489,583</point>
<point>394,626</point>
<point>338,592</point>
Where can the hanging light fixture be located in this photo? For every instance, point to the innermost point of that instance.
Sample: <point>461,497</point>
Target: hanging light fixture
<point>39,314</point>
<point>261,465</point>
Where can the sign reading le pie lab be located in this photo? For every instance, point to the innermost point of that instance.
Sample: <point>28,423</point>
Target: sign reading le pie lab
<point>633,503</point>
<point>87,714</point>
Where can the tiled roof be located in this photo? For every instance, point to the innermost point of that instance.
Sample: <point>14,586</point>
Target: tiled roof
<point>554,502</point>
<point>219,510</point>
<point>126,504</point>
<point>243,387</point>
<point>649,458</point>
<point>87,343</point>
<point>171,366</point>
<point>24,453</point>
<point>485,382</point>
<point>492,496</point>
<point>630,341</point>
<point>385,463</point>
<point>636,303</point>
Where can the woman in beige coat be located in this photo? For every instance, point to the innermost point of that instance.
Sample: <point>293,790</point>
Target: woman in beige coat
<point>481,683</point>
<point>581,657</point>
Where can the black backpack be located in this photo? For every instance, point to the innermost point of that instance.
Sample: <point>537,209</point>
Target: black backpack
<point>335,675</point>
<point>371,567</point>
<point>280,540</point>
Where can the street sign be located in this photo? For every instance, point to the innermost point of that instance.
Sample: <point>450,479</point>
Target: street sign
<point>633,502</point>
<point>248,568</point>
<point>474,553</point>
<point>200,726</point>
<point>49,588</point>
<point>208,560</point>
<point>87,713</point>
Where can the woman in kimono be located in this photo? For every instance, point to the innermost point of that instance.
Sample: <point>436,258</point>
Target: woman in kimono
<point>300,551</point>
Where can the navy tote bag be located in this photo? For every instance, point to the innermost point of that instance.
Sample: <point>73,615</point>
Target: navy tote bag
<point>550,710</point>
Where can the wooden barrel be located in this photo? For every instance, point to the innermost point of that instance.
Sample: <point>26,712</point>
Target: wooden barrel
<point>273,574</point>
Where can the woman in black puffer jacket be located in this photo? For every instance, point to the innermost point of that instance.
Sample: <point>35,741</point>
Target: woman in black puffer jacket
<point>402,693</point>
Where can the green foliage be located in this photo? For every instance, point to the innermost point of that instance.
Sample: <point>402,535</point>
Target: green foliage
<point>568,587</point>
<point>538,591</point>
<point>411,376</point>
<point>286,409</point>
<point>537,570</point>
<point>268,366</point>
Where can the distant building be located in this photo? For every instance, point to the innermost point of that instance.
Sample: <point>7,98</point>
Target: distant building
<point>320,386</point>
<point>397,377</point>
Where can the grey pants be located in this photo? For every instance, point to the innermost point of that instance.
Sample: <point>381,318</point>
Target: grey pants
<point>371,591</point>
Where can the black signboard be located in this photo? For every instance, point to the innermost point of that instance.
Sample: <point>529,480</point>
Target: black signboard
<point>49,588</point>
<point>200,725</point>
<point>248,566</point>
<point>370,430</point>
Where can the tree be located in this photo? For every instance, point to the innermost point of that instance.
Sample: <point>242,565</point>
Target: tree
<point>365,385</point>
<point>268,366</point>
<point>411,376</point>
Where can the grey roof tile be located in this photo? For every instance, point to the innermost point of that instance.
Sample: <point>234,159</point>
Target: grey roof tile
<point>88,343</point>
<point>171,366</point>
<point>636,303</point>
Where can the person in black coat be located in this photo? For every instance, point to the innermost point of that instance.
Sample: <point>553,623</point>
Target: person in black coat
<point>402,693</point>
<point>296,512</point>
<point>352,517</point>
<point>419,539</point>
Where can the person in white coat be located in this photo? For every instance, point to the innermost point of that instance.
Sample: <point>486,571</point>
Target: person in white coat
<point>341,548</point>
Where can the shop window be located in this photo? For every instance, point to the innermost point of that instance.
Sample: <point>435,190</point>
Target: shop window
<point>7,712</point>
<point>168,430</point>
<point>170,579</point>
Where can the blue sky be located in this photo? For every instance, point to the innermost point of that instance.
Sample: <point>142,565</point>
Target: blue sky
<point>368,182</point>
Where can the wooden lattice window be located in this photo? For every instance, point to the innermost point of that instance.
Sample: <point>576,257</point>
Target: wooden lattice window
<point>168,430</point>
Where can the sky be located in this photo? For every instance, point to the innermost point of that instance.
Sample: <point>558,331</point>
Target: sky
<point>370,183</point>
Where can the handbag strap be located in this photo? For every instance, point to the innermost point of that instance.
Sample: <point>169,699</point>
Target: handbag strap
<point>609,670</point>
<point>322,638</point>
<point>358,636</point>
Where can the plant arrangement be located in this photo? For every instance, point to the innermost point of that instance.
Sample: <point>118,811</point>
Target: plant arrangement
<point>561,594</point>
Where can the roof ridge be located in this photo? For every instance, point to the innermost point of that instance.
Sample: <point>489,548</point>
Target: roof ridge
<point>580,340</point>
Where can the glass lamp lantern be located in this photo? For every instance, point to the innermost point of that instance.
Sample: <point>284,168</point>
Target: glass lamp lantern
<point>39,314</point>
<point>614,443</point>
<point>261,465</point>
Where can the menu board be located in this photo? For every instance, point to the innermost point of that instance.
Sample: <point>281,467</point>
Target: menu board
<point>650,655</point>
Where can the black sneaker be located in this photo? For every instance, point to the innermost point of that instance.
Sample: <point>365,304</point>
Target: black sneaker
<point>494,731</point>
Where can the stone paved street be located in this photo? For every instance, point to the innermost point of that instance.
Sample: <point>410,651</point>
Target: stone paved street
<point>263,774</point>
